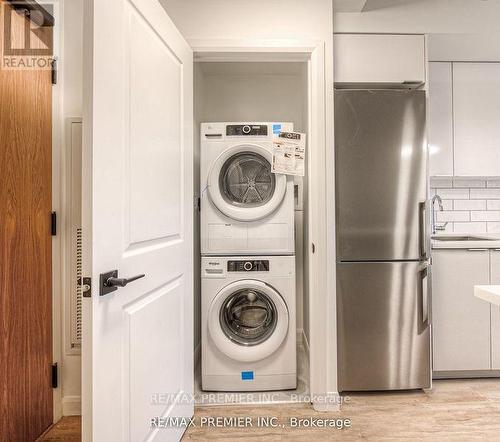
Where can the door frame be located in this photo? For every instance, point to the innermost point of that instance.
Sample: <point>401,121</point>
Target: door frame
<point>321,202</point>
<point>58,205</point>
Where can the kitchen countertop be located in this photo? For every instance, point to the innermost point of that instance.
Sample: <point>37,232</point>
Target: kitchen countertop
<point>490,293</point>
<point>493,241</point>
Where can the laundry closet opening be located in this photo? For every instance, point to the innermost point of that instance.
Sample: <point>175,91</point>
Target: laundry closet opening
<point>251,271</point>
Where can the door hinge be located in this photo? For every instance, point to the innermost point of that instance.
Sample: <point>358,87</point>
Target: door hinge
<point>85,283</point>
<point>53,223</point>
<point>313,247</point>
<point>53,68</point>
<point>54,377</point>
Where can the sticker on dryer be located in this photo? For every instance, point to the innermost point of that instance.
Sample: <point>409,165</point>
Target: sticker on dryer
<point>289,153</point>
<point>276,128</point>
<point>247,375</point>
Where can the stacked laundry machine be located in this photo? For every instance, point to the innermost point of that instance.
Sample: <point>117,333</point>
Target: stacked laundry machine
<point>248,308</point>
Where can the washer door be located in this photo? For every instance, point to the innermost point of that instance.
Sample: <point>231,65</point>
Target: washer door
<point>248,320</point>
<point>241,184</point>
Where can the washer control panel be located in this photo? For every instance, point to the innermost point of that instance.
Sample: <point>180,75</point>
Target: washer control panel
<point>248,266</point>
<point>246,129</point>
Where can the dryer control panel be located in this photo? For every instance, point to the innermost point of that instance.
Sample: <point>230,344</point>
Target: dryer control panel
<point>246,129</point>
<point>257,265</point>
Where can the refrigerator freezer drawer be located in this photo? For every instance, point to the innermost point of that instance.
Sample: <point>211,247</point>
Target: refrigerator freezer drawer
<point>383,326</point>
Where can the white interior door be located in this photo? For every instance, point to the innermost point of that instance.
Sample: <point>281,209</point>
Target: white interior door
<point>139,135</point>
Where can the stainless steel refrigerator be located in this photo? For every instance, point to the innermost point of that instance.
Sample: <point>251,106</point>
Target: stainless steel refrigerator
<point>383,273</point>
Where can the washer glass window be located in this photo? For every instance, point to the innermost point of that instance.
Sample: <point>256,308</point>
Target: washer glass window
<point>248,317</point>
<point>246,180</point>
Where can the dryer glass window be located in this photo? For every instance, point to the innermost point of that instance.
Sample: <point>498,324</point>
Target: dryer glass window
<point>248,317</point>
<point>246,180</point>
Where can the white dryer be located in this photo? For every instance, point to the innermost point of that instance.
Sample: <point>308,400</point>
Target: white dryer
<point>248,323</point>
<point>245,208</point>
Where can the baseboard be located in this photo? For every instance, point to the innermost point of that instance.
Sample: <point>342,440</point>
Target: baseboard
<point>327,402</point>
<point>72,406</point>
<point>465,374</point>
<point>197,356</point>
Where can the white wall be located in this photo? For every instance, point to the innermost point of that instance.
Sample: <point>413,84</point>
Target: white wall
<point>240,19</point>
<point>252,92</point>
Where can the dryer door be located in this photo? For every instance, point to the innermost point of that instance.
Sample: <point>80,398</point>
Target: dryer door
<point>248,320</point>
<point>241,184</point>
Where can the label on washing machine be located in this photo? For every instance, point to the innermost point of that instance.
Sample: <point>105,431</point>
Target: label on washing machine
<point>247,375</point>
<point>289,153</point>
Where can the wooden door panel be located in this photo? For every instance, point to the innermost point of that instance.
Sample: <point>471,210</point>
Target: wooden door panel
<point>26,408</point>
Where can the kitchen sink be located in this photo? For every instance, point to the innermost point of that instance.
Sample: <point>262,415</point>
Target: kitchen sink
<point>462,238</point>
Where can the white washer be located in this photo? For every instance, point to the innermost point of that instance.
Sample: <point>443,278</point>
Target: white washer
<point>248,323</point>
<point>245,208</point>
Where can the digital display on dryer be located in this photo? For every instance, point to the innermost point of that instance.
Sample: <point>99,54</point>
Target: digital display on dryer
<point>248,266</point>
<point>246,129</point>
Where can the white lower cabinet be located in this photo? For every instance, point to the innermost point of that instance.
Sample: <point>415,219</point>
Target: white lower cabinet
<point>495,312</point>
<point>461,322</point>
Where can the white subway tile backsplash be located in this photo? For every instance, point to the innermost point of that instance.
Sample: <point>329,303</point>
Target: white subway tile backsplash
<point>485,193</point>
<point>493,205</point>
<point>469,227</point>
<point>441,182</point>
<point>454,194</point>
<point>451,216</point>
<point>464,182</point>
<point>448,204</point>
<point>469,204</point>
<point>493,182</point>
<point>493,227</point>
<point>492,215</point>
<point>448,228</point>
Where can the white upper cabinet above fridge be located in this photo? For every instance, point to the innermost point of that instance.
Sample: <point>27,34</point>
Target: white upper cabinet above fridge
<point>476,107</point>
<point>440,119</point>
<point>379,59</point>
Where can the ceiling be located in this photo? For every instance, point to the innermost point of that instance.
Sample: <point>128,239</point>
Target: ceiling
<point>367,5</point>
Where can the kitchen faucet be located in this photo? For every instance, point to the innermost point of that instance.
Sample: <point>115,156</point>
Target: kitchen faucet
<point>434,226</point>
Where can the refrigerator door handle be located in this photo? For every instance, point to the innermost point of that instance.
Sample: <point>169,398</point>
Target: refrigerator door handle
<point>424,295</point>
<point>422,231</point>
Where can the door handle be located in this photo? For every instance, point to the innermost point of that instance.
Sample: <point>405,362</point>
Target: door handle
<point>424,294</point>
<point>422,234</point>
<point>109,281</point>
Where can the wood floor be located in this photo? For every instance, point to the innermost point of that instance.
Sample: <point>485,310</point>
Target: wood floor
<point>453,411</point>
<point>68,429</point>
